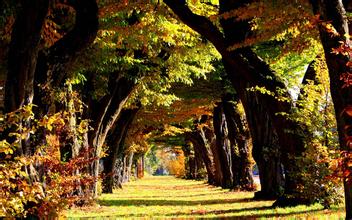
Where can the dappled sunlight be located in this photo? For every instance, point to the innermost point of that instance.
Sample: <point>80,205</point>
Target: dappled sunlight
<point>167,196</point>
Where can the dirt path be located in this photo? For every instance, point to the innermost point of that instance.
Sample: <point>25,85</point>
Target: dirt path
<point>167,197</point>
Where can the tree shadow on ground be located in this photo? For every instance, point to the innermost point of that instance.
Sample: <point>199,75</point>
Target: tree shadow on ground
<point>173,187</point>
<point>211,193</point>
<point>246,216</point>
<point>195,215</point>
<point>162,202</point>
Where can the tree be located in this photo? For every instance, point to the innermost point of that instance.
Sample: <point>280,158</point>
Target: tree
<point>199,142</point>
<point>335,39</point>
<point>24,47</point>
<point>223,146</point>
<point>240,144</point>
<point>114,166</point>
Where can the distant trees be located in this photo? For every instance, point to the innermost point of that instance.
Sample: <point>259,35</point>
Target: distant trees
<point>223,145</point>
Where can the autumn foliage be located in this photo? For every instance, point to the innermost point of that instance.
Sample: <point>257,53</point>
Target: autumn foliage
<point>40,183</point>
<point>119,78</point>
<point>176,163</point>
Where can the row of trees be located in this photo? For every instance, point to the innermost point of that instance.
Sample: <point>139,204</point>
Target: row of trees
<point>246,70</point>
<point>73,89</point>
<point>82,77</point>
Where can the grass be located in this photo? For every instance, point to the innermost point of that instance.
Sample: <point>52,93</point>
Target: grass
<point>167,197</point>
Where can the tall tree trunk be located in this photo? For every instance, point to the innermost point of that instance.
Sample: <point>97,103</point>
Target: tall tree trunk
<point>187,152</point>
<point>198,162</point>
<point>23,53</point>
<point>198,142</point>
<point>266,148</point>
<point>239,136</point>
<point>333,11</point>
<point>129,162</point>
<point>291,135</point>
<point>223,145</point>
<point>192,165</point>
<point>113,162</point>
<point>105,117</point>
<point>22,62</point>
<point>211,138</point>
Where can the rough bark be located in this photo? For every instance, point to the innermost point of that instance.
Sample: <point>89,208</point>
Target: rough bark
<point>198,162</point>
<point>246,70</point>
<point>266,148</point>
<point>74,145</point>
<point>201,145</point>
<point>190,162</point>
<point>218,175</point>
<point>209,135</point>
<point>187,153</point>
<point>240,138</point>
<point>291,135</point>
<point>22,61</point>
<point>104,118</point>
<point>113,162</point>
<point>333,11</point>
<point>223,145</point>
<point>23,53</point>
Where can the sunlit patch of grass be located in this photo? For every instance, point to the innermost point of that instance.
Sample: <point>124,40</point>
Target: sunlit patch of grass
<point>168,197</point>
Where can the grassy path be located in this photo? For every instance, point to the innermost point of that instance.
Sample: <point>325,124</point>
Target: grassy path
<point>168,197</point>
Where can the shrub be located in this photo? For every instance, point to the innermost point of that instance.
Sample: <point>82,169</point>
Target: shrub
<point>40,182</point>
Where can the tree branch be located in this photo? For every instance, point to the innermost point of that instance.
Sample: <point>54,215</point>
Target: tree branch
<point>56,58</point>
<point>200,24</point>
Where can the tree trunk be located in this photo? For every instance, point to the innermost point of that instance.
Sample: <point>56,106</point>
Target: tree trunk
<point>247,64</point>
<point>198,161</point>
<point>54,62</point>
<point>333,11</point>
<point>23,53</point>
<point>291,135</point>
<point>105,117</point>
<point>201,145</point>
<point>192,163</point>
<point>223,146</point>
<point>117,175</point>
<point>140,167</point>
<point>113,162</point>
<point>210,136</point>
<point>22,61</point>
<point>239,136</point>
<point>187,152</point>
<point>265,148</point>
<point>129,162</point>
